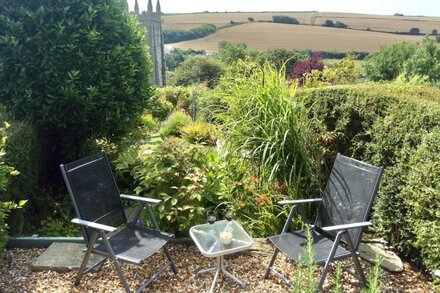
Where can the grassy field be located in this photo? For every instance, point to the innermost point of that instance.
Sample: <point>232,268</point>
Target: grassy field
<point>358,21</point>
<point>301,37</point>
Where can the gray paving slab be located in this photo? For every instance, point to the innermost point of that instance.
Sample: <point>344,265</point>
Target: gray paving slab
<point>63,257</point>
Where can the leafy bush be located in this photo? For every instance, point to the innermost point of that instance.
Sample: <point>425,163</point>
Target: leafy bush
<point>251,19</point>
<point>421,194</point>
<point>200,132</point>
<point>425,61</point>
<point>405,59</point>
<point>176,56</point>
<point>387,125</point>
<point>58,223</point>
<point>174,124</point>
<point>230,53</point>
<point>184,176</point>
<point>175,36</point>
<point>283,57</point>
<point>328,23</point>
<point>196,70</point>
<point>160,107</point>
<point>180,97</point>
<point>341,72</point>
<point>414,31</point>
<point>284,19</point>
<point>388,63</point>
<point>6,172</point>
<point>82,71</point>
<point>339,24</point>
<point>251,200</point>
<point>304,68</point>
<point>22,152</point>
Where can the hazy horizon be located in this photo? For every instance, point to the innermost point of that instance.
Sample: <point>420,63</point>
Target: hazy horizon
<point>381,7</point>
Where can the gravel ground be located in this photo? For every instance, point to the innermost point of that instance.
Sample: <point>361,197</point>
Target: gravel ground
<point>16,275</point>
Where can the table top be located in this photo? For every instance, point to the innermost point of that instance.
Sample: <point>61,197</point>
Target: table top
<point>207,238</point>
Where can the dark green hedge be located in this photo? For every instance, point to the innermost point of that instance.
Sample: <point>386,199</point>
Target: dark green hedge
<point>173,36</point>
<point>397,127</point>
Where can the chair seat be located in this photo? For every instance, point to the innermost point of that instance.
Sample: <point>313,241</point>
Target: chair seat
<point>134,244</point>
<point>293,244</point>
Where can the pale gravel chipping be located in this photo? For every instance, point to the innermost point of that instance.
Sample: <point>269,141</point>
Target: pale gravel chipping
<point>16,275</point>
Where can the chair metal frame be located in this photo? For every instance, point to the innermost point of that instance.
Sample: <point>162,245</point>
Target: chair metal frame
<point>106,232</point>
<point>342,234</point>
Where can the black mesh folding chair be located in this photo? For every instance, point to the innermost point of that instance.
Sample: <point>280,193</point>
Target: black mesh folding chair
<point>342,216</point>
<point>98,206</point>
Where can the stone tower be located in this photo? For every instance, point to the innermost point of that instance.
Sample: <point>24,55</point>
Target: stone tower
<point>152,20</point>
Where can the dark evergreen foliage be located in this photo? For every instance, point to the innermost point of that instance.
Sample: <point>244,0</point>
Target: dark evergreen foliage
<point>175,36</point>
<point>74,68</point>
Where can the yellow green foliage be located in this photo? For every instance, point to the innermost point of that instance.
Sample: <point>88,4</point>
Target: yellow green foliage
<point>200,132</point>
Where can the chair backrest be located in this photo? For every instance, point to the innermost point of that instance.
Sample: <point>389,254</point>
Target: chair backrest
<point>349,195</point>
<point>93,190</point>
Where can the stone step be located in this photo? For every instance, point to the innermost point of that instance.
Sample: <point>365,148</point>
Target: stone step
<point>63,257</point>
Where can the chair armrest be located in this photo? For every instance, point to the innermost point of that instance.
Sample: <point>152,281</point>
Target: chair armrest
<point>299,201</point>
<point>346,226</point>
<point>143,199</point>
<point>94,225</point>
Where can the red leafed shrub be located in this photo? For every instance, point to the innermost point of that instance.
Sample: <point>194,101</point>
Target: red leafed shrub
<point>305,67</point>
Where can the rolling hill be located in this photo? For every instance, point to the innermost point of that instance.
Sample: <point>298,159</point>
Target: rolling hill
<point>385,23</point>
<point>301,37</point>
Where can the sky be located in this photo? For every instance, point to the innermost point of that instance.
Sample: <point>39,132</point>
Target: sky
<point>385,7</point>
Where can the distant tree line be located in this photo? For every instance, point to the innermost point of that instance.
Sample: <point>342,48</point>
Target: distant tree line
<point>284,19</point>
<point>174,36</point>
<point>335,55</point>
<point>337,24</point>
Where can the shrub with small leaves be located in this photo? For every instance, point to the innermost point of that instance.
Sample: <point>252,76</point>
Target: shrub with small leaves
<point>5,206</point>
<point>184,176</point>
<point>173,125</point>
<point>305,68</point>
<point>200,132</point>
<point>421,196</point>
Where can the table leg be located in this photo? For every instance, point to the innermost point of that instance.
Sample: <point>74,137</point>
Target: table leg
<point>234,278</point>
<point>220,267</point>
<point>217,273</point>
<point>206,271</point>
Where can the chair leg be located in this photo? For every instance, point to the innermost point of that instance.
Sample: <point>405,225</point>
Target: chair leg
<point>356,261</point>
<point>116,262</point>
<point>272,261</point>
<point>171,260</point>
<point>329,260</point>
<point>86,258</point>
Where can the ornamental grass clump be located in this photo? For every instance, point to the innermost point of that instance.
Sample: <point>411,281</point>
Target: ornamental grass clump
<point>267,123</point>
